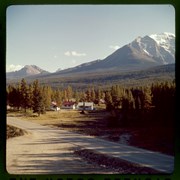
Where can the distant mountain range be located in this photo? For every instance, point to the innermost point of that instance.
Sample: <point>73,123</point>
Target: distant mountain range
<point>143,52</point>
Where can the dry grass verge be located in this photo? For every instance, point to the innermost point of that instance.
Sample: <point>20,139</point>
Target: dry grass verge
<point>14,132</point>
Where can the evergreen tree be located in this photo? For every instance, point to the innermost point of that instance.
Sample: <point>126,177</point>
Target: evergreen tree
<point>108,100</point>
<point>65,96</point>
<point>137,95</point>
<point>98,95</point>
<point>47,93</point>
<point>69,92</point>
<point>13,96</point>
<point>146,104</point>
<point>116,93</point>
<point>77,96</point>
<point>88,95</point>
<point>24,94</point>
<point>93,94</point>
<point>58,97</point>
<point>30,96</point>
<point>38,101</point>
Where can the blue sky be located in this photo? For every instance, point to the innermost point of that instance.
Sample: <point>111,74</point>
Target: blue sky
<point>63,36</point>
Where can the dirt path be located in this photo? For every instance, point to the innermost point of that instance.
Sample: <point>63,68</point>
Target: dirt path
<point>49,150</point>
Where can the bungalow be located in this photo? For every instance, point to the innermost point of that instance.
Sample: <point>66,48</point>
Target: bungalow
<point>68,105</point>
<point>85,106</point>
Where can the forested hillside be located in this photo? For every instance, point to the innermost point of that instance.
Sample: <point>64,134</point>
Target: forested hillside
<point>81,81</point>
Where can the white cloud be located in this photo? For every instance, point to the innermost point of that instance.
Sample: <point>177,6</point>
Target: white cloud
<point>67,53</point>
<point>74,53</point>
<point>12,67</point>
<point>114,47</point>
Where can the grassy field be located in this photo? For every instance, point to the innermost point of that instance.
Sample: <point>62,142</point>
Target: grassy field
<point>96,123</point>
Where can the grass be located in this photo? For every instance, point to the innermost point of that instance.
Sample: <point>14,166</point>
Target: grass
<point>14,132</point>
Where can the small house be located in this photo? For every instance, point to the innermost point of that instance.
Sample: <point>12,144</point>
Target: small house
<point>85,106</point>
<point>68,105</point>
<point>54,106</point>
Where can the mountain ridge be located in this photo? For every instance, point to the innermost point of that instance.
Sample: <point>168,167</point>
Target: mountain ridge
<point>141,53</point>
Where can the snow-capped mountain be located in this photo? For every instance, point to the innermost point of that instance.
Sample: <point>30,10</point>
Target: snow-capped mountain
<point>160,47</point>
<point>166,40</point>
<point>28,70</point>
<point>143,52</point>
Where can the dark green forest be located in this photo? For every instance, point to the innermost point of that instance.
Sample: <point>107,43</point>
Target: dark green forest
<point>128,106</point>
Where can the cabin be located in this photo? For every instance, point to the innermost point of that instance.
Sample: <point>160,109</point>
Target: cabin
<point>68,105</point>
<point>88,106</point>
<point>54,106</point>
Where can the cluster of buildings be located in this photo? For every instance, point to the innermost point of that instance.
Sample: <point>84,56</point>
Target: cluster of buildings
<point>88,106</point>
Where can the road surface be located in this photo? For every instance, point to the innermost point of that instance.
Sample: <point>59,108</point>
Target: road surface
<point>50,150</point>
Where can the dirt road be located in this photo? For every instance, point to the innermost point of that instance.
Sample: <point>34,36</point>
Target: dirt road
<point>50,151</point>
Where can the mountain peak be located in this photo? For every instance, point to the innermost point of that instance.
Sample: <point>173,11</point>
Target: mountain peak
<point>165,40</point>
<point>27,70</point>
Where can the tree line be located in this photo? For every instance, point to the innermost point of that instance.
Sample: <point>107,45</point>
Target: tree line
<point>127,105</point>
<point>39,97</point>
<point>142,105</point>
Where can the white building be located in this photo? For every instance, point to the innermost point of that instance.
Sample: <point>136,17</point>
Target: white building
<point>85,106</point>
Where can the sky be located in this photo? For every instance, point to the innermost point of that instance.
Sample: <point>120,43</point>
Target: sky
<point>62,36</point>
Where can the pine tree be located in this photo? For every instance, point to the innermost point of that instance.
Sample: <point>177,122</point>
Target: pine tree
<point>108,100</point>
<point>77,96</point>
<point>146,98</point>
<point>93,94</point>
<point>69,92</point>
<point>88,95</point>
<point>24,94</point>
<point>58,97</point>
<point>13,96</point>
<point>98,95</point>
<point>47,93</point>
<point>30,96</point>
<point>17,96</point>
<point>65,96</point>
<point>116,93</point>
<point>38,101</point>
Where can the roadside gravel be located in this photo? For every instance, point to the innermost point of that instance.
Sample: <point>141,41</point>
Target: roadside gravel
<point>114,164</point>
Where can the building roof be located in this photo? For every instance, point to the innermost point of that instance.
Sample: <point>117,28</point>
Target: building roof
<point>68,103</point>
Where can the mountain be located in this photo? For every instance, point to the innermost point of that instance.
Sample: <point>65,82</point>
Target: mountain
<point>166,40</point>
<point>143,52</point>
<point>28,70</point>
